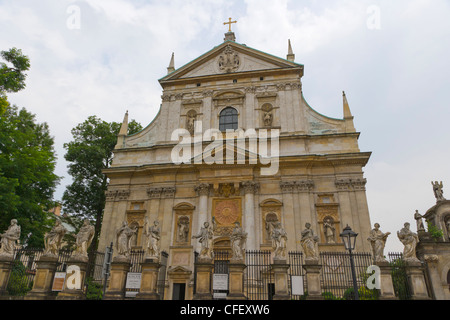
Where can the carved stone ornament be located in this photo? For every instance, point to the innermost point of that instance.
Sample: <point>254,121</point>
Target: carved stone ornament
<point>229,60</point>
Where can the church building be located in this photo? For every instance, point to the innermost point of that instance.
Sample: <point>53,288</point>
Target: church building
<point>236,141</point>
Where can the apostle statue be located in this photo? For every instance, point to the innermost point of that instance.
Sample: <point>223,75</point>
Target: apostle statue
<point>308,241</point>
<point>53,239</point>
<point>123,240</point>
<point>153,239</point>
<point>329,231</point>
<point>84,238</point>
<point>268,118</point>
<point>10,239</point>
<point>409,240</point>
<point>279,241</point>
<point>437,189</point>
<point>378,241</point>
<point>206,237</point>
<point>238,239</point>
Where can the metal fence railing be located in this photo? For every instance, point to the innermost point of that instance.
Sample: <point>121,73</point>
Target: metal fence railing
<point>259,278</point>
<point>399,276</point>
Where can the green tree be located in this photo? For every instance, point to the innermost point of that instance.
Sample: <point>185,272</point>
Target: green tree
<point>12,76</point>
<point>88,154</point>
<point>27,157</point>
<point>27,179</point>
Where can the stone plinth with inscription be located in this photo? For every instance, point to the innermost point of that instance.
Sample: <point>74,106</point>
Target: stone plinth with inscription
<point>43,280</point>
<point>73,284</point>
<point>204,269</point>
<point>236,271</point>
<point>117,280</point>
<point>312,268</point>
<point>149,282</point>
<point>280,271</point>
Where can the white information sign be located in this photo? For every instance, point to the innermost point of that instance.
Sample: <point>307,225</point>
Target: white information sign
<point>297,285</point>
<point>133,280</point>
<point>220,281</point>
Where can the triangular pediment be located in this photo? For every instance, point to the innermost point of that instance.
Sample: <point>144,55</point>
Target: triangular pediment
<point>230,155</point>
<point>229,58</point>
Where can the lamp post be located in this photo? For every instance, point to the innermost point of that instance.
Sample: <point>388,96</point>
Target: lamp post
<point>349,238</point>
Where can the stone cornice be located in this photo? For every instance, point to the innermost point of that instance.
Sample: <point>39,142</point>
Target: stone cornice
<point>250,187</point>
<point>297,186</point>
<point>358,184</point>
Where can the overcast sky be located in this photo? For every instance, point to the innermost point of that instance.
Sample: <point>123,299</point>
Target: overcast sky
<point>392,58</point>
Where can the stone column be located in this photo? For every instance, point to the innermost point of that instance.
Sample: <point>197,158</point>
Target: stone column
<point>414,271</point>
<point>250,188</point>
<point>436,282</point>
<point>118,278</point>
<point>43,280</point>
<point>280,271</point>
<point>312,268</point>
<point>203,192</point>
<point>386,285</point>
<point>236,281</point>
<point>75,293</point>
<point>203,273</point>
<point>6,263</point>
<point>149,282</point>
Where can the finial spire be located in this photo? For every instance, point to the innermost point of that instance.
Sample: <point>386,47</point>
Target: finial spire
<point>348,117</point>
<point>230,34</point>
<point>122,133</point>
<point>171,67</point>
<point>290,55</point>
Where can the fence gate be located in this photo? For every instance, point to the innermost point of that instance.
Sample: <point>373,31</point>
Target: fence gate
<point>221,268</point>
<point>399,277</point>
<point>259,279</point>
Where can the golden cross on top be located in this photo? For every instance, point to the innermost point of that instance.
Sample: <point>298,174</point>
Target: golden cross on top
<point>229,24</point>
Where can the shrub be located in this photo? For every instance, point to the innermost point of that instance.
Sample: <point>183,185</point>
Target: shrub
<point>94,290</point>
<point>18,284</point>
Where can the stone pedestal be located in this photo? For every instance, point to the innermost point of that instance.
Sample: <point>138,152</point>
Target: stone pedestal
<point>312,269</point>
<point>386,285</point>
<point>203,286</point>
<point>280,272</point>
<point>118,278</point>
<point>414,271</point>
<point>6,263</point>
<point>149,281</point>
<point>71,292</point>
<point>236,281</point>
<point>43,280</point>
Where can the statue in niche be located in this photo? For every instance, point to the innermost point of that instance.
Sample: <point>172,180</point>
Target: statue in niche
<point>438,192</point>
<point>418,217</point>
<point>153,237</point>
<point>10,239</point>
<point>410,241</point>
<point>123,240</point>
<point>279,241</point>
<point>238,239</point>
<point>183,229</point>
<point>268,118</point>
<point>271,220</point>
<point>84,239</point>
<point>190,121</point>
<point>329,230</point>
<point>378,241</point>
<point>53,239</point>
<point>308,241</point>
<point>447,226</point>
<point>206,237</point>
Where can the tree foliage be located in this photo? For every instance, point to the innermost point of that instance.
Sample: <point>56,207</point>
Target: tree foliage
<point>91,151</point>
<point>27,157</point>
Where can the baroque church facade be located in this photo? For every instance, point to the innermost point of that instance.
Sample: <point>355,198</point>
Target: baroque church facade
<point>286,163</point>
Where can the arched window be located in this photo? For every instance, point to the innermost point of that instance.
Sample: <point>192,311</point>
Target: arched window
<point>228,119</point>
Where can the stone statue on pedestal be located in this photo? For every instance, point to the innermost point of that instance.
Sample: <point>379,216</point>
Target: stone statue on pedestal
<point>378,241</point>
<point>279,241</point>
<point>53,239</point>
<point>410,241</point>
<point>418,217</point>
<point>183,229</point>
<point>308,241</point>
<point>153,239</point>
<point>123,240</point>
<point>206,237</point>
<point>10,239</point>
<point>238,239</point>
<point>84,239</point>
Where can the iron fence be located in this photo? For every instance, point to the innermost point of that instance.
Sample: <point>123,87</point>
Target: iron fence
<point>23,270</point>
<point>221,266</point>
<point>399,276</point>
<point>259,279</point>
<point>336,275</point>
<point>296,269</point>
